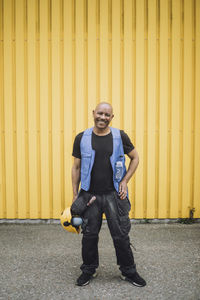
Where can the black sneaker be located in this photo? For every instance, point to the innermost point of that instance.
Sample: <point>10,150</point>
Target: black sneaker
<point>135,279</point>
<point>85,278</point>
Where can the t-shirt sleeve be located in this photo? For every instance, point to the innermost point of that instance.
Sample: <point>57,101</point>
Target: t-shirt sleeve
<point>127,144</point>
<point>76,147</point>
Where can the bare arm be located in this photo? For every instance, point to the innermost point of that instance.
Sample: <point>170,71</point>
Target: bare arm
<point>134,161</point>
<point>76,172</point>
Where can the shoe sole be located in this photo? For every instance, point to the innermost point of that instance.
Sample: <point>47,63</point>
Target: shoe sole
<point>86,283</point>
<point>132,282</point>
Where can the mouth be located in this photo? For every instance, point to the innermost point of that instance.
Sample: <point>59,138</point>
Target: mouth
<point>100,122</point>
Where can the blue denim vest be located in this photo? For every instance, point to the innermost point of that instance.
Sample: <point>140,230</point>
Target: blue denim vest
<point>88,155</point>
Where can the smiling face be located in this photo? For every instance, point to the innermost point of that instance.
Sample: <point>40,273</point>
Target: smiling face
<point>103,115</point>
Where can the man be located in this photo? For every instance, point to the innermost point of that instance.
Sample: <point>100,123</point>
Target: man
<point>99,164</point>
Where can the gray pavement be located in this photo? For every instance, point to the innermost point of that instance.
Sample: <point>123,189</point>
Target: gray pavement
<point>41,261</point>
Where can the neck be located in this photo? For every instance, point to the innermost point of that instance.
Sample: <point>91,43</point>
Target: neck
<point>104,131</point>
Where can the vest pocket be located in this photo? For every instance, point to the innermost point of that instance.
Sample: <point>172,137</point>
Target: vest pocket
<point>85,163</point>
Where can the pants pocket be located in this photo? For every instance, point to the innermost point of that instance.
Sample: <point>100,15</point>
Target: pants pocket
<point>124,206</point>
<point>125,224</point>
<point>84,226</point>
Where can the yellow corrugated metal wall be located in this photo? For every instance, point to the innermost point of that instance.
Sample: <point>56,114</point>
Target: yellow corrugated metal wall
<point>58,58</point>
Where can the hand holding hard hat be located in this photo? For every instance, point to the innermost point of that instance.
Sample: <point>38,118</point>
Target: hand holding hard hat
<point>71,217</point>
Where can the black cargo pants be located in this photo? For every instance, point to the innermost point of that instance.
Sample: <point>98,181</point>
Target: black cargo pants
<point>116,211</point>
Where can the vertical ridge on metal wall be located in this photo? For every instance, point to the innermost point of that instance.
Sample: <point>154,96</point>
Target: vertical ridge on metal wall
<point>110,50</point>
<point>97,51</point>
<point>157,108</point>
<point>169,122</point>
<point>86,62</point>
<point>37,205</point>
<point>26,146</point>
<point>194,98</point>
<point>145,116</point>
<point>122,43</point>
<point>62,141</point>
<point>59,58</point>
<point>2,117</point>
<point>197,107</point>
<point>181,104</point>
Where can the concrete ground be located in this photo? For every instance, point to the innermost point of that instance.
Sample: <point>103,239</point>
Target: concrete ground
<point>42,262</point>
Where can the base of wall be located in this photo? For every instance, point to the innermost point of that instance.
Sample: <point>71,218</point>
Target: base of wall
<point>134,221</point>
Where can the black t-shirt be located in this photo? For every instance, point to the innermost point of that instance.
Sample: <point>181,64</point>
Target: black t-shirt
<point>102,173</point>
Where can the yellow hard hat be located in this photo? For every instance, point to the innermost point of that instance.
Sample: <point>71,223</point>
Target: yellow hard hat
<point>65,220</point>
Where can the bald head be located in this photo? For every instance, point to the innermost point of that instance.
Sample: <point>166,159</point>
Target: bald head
<point>106,105</point>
